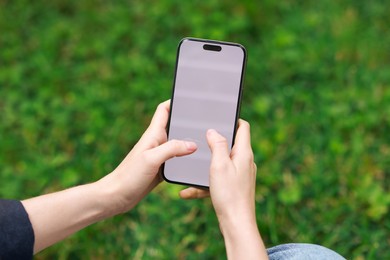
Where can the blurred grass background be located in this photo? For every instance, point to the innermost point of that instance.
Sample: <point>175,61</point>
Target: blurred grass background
<point>79,82</point>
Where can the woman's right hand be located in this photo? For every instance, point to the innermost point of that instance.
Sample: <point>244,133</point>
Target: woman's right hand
<point>232,175</point>
<point>232,191</point>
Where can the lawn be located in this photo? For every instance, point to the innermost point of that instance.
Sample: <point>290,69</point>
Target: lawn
<point>80,80</point>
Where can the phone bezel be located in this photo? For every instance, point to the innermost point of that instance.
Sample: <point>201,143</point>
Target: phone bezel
<point>238,108</point>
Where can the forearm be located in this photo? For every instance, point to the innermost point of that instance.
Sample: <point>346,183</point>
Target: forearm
<point>58,215</point>
<point>242,239</point>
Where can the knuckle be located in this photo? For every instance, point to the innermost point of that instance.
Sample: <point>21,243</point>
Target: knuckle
<point>219,166</point>
<point>247,161</point>
<point>154,142</point>
<point>251,156</point>
<point>248,157</point>
<point>221,141</point>
<point>175,144</point>
<point>148,159</point>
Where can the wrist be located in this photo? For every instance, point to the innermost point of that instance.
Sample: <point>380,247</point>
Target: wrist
<point>242,237</point>
<point>239,214</point>
<point>115,196</point>
<point>107,197</point>
<point>234,225</point>
<point>99,201</point>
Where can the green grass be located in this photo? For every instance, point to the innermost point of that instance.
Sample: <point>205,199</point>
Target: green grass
<point>79,82</point>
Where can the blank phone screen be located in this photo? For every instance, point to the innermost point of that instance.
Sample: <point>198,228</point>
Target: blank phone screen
<point>206,94</point>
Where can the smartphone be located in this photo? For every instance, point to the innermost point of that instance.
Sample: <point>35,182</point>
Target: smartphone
<point>206,94</point>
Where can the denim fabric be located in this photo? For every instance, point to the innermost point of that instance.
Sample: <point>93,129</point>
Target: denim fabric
<point>302,252</point>
<point>16,232</point>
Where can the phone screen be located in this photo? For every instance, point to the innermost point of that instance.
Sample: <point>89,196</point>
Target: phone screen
<point>206,94</point>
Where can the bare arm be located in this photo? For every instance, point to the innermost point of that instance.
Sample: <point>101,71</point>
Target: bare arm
<point>58,215</point>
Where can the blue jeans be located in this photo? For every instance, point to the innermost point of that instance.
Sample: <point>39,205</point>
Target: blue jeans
<point>301,252</point>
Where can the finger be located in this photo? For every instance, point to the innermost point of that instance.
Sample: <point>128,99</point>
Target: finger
<point>218,146</point>
<point>243,135</point>
<point>242,145</point>
<point>160,117</point>
<point>194,193</point>
<point>170,149</point>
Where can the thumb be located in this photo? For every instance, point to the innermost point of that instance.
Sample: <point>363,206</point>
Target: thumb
<point>218,146</point>
<point>170,149</point>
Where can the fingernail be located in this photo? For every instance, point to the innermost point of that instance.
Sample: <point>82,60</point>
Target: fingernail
<point>211,132</point>
<point>190,145</point>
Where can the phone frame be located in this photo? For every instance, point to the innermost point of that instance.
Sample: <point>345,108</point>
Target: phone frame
<point>238,108</point>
